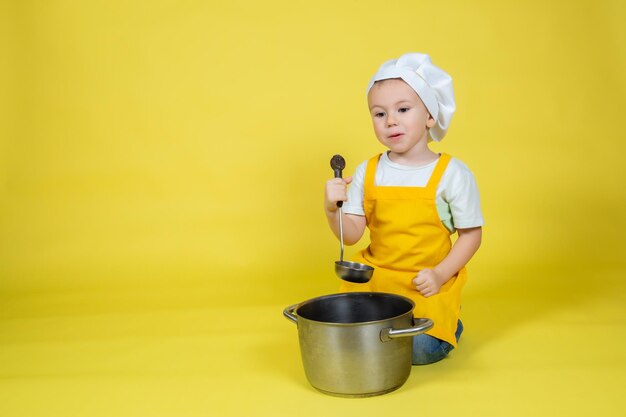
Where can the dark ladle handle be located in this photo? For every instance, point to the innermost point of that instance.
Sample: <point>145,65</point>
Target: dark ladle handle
<point>337,163</point>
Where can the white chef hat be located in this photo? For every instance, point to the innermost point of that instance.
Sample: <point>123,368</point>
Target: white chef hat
<point>431,83</point>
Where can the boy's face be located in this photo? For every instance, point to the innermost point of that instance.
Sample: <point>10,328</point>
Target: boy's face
<point>400,119</point>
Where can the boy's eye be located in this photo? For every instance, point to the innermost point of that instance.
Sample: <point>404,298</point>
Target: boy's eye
<point>380,114</point>
<point>403,109</point>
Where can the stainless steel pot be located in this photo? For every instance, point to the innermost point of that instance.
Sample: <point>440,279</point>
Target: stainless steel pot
<point>356,344</point>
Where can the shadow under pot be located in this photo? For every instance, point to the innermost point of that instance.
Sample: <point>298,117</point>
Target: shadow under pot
<point>356,344</point>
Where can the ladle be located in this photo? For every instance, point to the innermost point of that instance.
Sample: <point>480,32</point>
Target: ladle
<point>346,270</point>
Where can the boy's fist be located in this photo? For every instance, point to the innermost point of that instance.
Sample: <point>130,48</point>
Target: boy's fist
<point>427,282</point>
<point>336,190</point>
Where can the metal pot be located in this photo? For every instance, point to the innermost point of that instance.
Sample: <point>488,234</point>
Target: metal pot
<point>356,344</point>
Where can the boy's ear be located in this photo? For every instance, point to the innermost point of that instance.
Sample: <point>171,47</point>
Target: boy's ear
<point>430,122</point>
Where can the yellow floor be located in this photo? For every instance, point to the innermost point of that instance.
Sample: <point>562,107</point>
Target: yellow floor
<point>158,158</point>
<point>115,353</point>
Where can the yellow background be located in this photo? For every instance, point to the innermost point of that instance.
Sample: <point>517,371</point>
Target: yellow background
<point>161,183</point>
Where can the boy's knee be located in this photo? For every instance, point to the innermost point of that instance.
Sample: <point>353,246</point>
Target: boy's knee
<point>428,349</point>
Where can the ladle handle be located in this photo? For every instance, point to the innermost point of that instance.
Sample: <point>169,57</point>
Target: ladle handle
<point>337,163</point>
<point>340,231</point>
<point>338,175</point>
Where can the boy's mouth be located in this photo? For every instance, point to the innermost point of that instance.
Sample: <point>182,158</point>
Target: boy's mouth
<point>395,135</point>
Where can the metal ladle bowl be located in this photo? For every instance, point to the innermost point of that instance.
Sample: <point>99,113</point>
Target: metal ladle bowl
<point>346,270</point>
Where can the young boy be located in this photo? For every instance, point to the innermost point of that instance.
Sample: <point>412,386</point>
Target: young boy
<point>412,200</point>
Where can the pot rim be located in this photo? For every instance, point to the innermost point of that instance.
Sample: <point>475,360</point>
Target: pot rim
<point>360,323</point>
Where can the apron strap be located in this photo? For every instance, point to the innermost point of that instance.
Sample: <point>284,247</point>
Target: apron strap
<point>435,178</point>
<point>370,175</point>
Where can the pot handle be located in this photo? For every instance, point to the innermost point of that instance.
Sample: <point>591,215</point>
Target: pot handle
<point>419,326</point>
<point>288,313</point>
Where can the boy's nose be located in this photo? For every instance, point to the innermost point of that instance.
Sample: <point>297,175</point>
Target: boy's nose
<point>391,121</point>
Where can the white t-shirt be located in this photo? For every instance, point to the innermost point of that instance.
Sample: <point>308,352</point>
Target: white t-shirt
<point>457,199</point>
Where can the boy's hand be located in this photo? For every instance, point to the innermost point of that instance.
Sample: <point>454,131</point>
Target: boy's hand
<point>428,282</point>
<point>336,190</point>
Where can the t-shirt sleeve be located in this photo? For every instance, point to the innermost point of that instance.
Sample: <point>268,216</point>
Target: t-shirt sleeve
<point>463,197</point>
<point>354,205</point>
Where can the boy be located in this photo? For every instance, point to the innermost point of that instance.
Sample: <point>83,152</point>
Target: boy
<point>412,200</point>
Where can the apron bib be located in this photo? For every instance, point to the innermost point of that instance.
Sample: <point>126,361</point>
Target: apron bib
<point>406,236</point>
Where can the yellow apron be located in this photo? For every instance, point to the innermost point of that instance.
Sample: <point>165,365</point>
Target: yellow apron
<point>406,236</point>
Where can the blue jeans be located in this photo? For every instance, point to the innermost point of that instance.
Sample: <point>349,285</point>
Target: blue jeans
<point>428,349</point>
